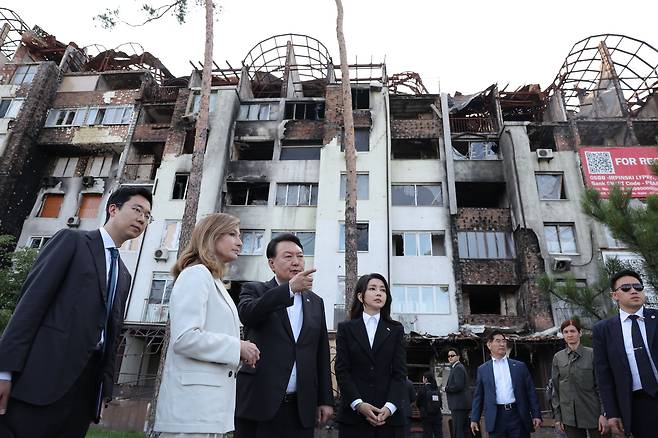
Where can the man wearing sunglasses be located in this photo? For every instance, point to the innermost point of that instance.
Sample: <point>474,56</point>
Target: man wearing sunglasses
<point>625,359</point>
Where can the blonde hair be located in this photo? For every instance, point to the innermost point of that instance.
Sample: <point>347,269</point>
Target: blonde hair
<point>201,248</point>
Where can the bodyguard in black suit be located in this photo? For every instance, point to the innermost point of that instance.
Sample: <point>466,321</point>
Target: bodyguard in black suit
<point>371,365</point>
<point>458,394</point>
<point>57,354</point>
<point>289,390</point>
<point>625,360</point>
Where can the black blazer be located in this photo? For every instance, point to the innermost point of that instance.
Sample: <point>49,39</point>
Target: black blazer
<point>376,375</point>
<point>611,365</point>
<point>457,389</point>
<point>260,390</point>
<point>59,317</point>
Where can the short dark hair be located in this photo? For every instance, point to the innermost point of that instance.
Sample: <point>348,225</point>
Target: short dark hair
<point>429,375</point>
<point>455,350</point>
<point>123,195</point>
<point>568,322</point>
<point>270,252</point>
<point>493,333</point>
<point>624,273</point>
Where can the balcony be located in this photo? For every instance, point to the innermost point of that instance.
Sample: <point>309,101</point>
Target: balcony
<point>155,313</point>
<point>490,320</point>
<point>151,132</point>
<point>488,272</point>
<point>471,124</point>
<point>424,128</point>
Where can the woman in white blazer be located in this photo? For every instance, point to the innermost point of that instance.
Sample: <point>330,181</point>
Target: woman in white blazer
<point>197,393</point>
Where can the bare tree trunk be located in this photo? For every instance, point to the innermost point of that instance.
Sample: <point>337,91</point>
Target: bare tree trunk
<point>194,183</point>
<point>351,261</point>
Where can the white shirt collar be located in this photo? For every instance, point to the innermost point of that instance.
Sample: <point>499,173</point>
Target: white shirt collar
<point>107,239</point>
<point>367,317</point>
<point>501,360</point>
<point>623,315</point>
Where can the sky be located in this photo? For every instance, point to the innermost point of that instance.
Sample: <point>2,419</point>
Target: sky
<point>455,46</point>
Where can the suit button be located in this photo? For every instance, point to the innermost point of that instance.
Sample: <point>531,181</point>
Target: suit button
<point>230,373</point>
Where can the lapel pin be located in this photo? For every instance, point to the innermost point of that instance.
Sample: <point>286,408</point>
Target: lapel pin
<point>387,328</point>
<point>653,316</point>
<point>308,300</point>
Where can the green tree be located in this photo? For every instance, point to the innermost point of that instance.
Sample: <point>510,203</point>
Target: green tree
<point>14,267</point>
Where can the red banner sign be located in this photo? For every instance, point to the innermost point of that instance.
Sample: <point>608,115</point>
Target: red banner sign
<point>628,166</point>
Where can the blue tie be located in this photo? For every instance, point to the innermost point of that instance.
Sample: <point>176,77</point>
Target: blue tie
<point>112,280</point>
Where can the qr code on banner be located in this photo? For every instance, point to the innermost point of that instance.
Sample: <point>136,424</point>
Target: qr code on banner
<point>599,163</point>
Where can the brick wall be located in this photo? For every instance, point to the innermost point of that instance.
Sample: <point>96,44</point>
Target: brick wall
<point>415,128</point>
<point>76,99</point>
<point>488,272</point>
<point>303,130</point>
<point>176,134</point>
<point>84,135</point>
<point>151,132</point>
<point>530,267</point>
<point>483,219</point>
<point>333,114</point>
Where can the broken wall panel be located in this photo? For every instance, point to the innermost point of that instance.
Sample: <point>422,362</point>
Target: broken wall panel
<point>416,129</point>
<point>303,130</point>
<point>415,148</point>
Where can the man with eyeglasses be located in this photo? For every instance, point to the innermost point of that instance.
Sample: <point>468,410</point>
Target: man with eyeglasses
<point>504,390</point>
<point>625,359</point>
<point>458,394</point>
<point>58,351</point>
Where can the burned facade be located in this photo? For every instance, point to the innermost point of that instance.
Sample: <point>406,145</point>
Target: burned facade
<point>463,201</point>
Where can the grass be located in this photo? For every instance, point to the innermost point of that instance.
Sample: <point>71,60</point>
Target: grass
<point>100,433</point>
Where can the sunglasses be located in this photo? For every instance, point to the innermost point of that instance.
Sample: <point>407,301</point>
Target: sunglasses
<point>628,286</point>
<point>452,355</point>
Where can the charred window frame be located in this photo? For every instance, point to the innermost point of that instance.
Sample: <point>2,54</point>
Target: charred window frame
<point>550,186</point>
<point>485,245</point>
<point>253,150</point>
<point>418,243</point>
<point>241,193</point>
<point>181,181</point>
<point>304,111</point>
<point>415,149</point>
<point>298,195</point>
<point>361,236</point>
<point>360,98</point>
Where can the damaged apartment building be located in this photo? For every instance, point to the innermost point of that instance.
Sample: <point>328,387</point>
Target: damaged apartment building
<point>463,201</point>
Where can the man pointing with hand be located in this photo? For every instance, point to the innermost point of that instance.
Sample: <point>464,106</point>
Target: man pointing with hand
<point>289,390</point>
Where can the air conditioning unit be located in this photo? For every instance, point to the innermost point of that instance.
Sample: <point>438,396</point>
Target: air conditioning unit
<point>49,181</point>
<point>561,264</point>
<point>189,117</point>
<point>161,254</point>
<point>73,221</point>
<point>88,181</point>
<point>544,154</point>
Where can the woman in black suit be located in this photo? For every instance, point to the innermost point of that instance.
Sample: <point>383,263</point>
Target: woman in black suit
<point>371,364</point>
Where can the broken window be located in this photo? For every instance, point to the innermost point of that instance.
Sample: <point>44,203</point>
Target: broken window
<point>360,98</point>
<point>304,111</point>
<point>481,195</point>
<point>550,186</point>
<point>416,194</point>
<point>417,243</point>
<point>361,236</point>
<point>414,149</point>
<point>415,299</point>
<point>361,140</point>
<point>240,193</point>
<point>51,205</point>
<point>37,242</point>
<point>120,81</point>
<point>362,183</point>
<point>259,111</point>
<point>475,150</point>
<point>9,108</point>
<point>171,234</point>
<point>485,245</point>
<point>180,186</point>
<point>253,150</point>
<point>483,300</point>
<point>252,242</point>
<point>65,167</point>
<point>300,150</point>
<point>560,238</point>
<point>157,114</point>
<point>99,166</point>
<point>307,239</point>
<point>89,204</point>
<point>24,74</point>
<point>212,103</point>
<point>297,194</point>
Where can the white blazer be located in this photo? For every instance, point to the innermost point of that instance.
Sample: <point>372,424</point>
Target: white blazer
<point>197,393</point>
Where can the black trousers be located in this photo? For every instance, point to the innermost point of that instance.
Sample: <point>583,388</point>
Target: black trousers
<point>68,417</point>
<point>432,426</point>
<point>285,424</point>
<point>508,424</point>
<point>363,429</point>
<point>644,415</point>
<point>460,423</point>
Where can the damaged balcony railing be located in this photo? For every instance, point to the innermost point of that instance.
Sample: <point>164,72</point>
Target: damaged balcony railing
<point>155,313</point>
<point>471,124</point>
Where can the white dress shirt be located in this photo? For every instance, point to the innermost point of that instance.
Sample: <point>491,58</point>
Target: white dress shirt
<point>503,381</point>
<point>107,243</point>
<point>371,322</point>
<point>296,318</point>
<point>626,326</point>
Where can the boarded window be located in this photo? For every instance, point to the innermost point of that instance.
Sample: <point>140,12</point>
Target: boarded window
<point>51,204</point>
<point>89,203</point>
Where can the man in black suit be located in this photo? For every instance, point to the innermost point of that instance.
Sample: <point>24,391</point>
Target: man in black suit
<point>626,357</point>
<point>289,389</point>
<point>57,354</point>
<point>458,394</point>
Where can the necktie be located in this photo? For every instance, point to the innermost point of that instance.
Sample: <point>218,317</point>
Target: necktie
<point>112,280</point>
<point>647,377</point>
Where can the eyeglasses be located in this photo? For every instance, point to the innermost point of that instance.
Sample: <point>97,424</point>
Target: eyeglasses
<point>452,355</point>
<point>139,212</point>
<point>626,287</point>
